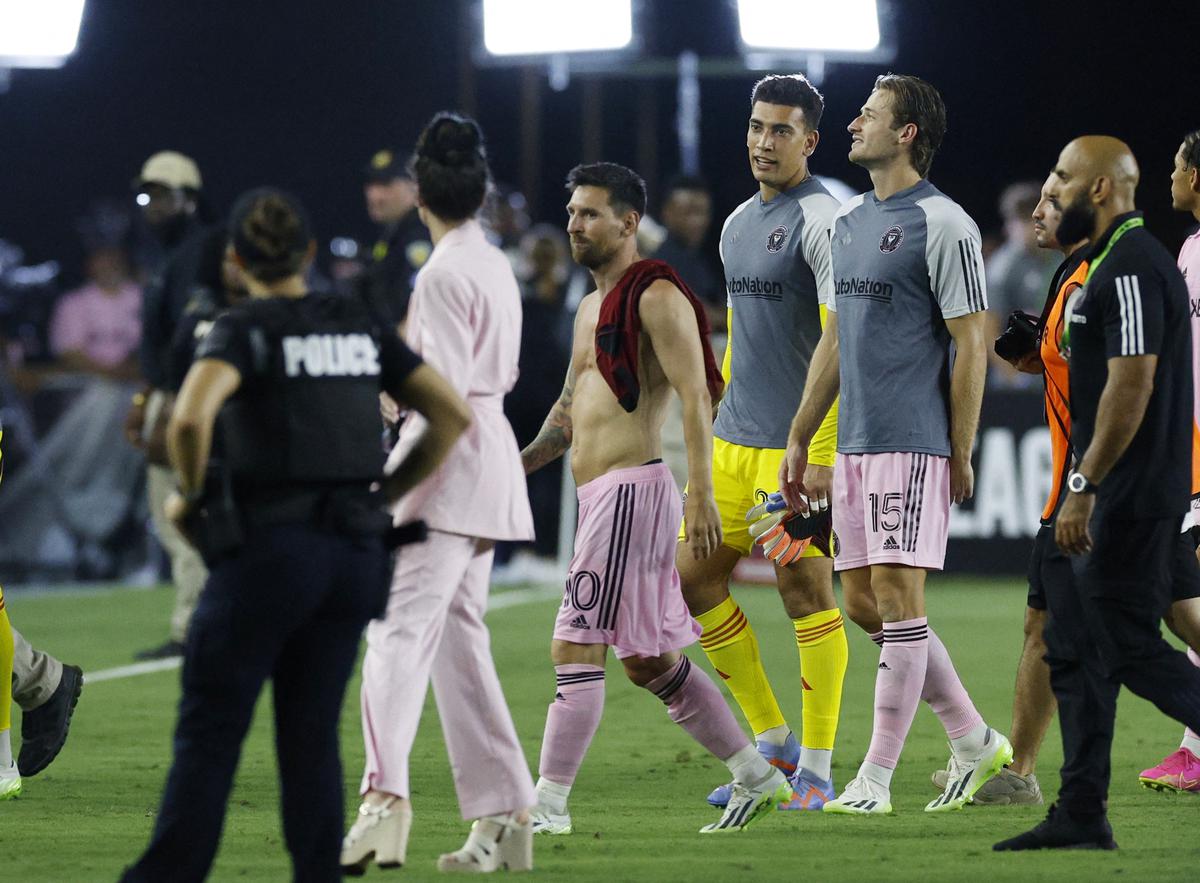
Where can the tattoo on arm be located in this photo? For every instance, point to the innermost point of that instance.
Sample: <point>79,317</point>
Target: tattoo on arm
<point>555,436</point>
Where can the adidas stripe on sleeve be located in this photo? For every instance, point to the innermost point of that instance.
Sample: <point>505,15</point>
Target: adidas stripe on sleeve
<point>1133,322</point>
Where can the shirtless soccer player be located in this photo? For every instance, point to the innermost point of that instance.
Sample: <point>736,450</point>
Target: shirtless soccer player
<point>638,336</point>
<point>908,280</point>
<point>775,251</point>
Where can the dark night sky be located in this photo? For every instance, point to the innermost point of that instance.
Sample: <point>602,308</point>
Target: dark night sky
<point>300,93</point>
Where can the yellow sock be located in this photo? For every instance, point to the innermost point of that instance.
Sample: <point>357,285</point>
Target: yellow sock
<point>824,654</point>
<point>731,647</point>
<point>6,664</point>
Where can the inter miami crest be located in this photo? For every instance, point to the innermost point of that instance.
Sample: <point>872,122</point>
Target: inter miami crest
<point>777,238</point>
<point>835,545</point>
<point>891,239</point>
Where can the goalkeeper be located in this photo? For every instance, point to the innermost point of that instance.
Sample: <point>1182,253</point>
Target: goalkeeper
<point>775,252</point>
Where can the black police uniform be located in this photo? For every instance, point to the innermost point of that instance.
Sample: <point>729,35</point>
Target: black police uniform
<point>387,282</point>
<point>290,604</point>
<point>1103,626</point>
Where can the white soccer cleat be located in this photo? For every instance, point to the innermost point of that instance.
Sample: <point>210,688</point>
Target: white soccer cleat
<point>546,822</point>
<point>968,776</point>
<point>747,804</point>
<point>861,797</point>
<point>10,783</point>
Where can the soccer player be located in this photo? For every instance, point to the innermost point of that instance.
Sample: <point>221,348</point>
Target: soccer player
<point>638,336</point>
<point>908,281</point>
<point>1180,770</point>
<point>775,249</point>
<point>10,777</point>
<point>1127,341</point>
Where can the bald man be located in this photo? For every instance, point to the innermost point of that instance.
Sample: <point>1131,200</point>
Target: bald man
<point>1127,341</point>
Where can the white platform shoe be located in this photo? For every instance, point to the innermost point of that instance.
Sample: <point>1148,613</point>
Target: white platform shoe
<point>380,832</point>
<point>495,843</point>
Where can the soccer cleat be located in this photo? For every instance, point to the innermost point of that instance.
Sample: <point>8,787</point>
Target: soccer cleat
<point>861,797</point>
<point>941,777</point>
<point>379,832</point>
<point>783,757</point>
<point>968,776</point>
<point>1178,771</point>
<point>1060,831</point>
<point>546,822</point>
<point>10,783</point>
<point>749,803</point>
<point>808,792</point>
<point>44,729</point>
<point>1006,788</point>
<point>495,843</point>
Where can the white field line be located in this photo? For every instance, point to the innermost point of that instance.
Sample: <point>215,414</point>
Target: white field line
<point>499,601</point>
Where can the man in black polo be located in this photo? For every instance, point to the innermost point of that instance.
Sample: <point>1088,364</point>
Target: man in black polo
<point>1128,344</point>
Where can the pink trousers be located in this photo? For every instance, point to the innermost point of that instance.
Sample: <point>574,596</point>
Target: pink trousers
<point>434,630</point>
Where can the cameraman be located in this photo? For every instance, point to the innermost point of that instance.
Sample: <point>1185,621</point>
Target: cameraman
<point>294,378</point>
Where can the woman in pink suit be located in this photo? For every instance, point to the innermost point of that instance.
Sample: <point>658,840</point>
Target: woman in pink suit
<point>465,321</point>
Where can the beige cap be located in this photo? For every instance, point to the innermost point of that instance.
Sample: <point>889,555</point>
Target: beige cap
<point>171,169</point>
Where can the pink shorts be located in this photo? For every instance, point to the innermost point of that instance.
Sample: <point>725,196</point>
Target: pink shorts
<point>890,508</point>
<point>622,587</point>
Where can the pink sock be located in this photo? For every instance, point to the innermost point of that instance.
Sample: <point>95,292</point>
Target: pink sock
<point>945,693</point>
<point>902,664</point>
<point>1194,657</point>
<point>694,702</point>
<point>571,721</point>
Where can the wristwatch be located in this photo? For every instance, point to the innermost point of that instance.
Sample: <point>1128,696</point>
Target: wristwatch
<point>1077,483</point>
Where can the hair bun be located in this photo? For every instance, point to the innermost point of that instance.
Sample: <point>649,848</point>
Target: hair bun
<point>451,140</point>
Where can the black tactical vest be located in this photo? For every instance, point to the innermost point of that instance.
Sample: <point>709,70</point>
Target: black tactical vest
<point>309,412</point>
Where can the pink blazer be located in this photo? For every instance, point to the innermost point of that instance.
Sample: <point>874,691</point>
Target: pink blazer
<point>464,319</point>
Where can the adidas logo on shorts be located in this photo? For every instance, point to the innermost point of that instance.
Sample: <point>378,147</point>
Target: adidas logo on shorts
<point>890,545</point>
<point>579,622</point>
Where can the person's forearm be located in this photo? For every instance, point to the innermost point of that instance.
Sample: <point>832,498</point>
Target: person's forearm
<point>189,443</point>
<point>552,441</point>
<point>966,396</point>
<point>697,436</point>
<point>820,390</point>
<point>1118,418</point>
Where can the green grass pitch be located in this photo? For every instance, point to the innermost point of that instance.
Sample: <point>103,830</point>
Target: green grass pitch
<point>639,800</point>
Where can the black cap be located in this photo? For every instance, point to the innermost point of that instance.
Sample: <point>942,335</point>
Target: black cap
<point>385,166</point>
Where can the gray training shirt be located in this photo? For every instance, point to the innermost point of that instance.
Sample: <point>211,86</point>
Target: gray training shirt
<point>776,259</point>
<point>901,267</point>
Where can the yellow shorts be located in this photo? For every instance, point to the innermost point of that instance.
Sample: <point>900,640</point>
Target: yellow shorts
<point>742,478</point>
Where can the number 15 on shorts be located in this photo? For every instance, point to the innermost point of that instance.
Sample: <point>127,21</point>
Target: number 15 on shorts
<point>886,511</point>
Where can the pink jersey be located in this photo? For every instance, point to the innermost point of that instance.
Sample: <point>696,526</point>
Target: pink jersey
<point>1189,265</point>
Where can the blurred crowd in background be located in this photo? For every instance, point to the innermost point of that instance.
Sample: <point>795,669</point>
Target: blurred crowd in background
<point>79,344</point>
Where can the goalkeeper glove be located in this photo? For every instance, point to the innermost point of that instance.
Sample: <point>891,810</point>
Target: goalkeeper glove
<point>784,534</point>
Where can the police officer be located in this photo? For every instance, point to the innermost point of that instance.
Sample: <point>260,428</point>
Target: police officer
<point>403,244</point>
<point>1127,341</point>
<point>298,564</point>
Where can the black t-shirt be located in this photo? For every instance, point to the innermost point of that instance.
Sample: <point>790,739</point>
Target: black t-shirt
<point>164,300</point>
<point>1135,304</point>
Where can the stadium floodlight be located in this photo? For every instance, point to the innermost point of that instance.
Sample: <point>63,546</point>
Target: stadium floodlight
<point>841,26</point>
<point>38,33</point>
<point>553,27</point>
